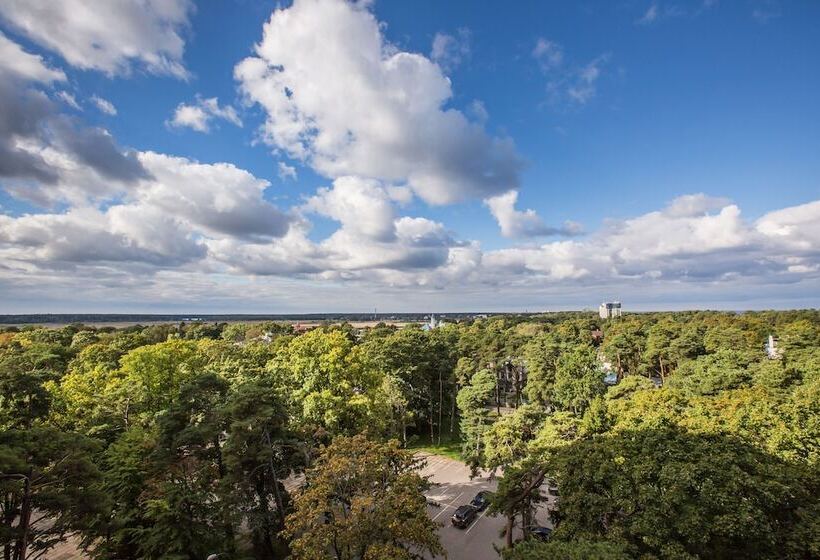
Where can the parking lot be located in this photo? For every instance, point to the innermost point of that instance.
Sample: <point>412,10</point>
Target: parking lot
<point>453,488</point>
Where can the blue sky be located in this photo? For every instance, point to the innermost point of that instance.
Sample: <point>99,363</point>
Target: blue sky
<point>328,156</point>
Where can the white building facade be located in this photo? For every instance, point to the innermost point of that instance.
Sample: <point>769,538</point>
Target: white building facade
<point>610,310</point>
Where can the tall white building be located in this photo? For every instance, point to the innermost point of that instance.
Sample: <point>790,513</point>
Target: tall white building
<point>772,351</point>
<point>610,310</point>
<point>432,324</point>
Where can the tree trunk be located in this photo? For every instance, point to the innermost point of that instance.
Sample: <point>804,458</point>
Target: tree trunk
<point>519,383</point>
<point>220,466</point>
<point>453,409</point>
<point>10,509</point>
<point>497,393</point>
<point>509,530</point>
<point>25,519</point>
<point>125,414</point>
<point>440,403</point>
<point>280,504</point>
<point>432,427</point>
<point>267,533</point>
<point>526,520</point>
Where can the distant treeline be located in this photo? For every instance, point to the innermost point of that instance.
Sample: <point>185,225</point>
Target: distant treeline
<point>97,318</point>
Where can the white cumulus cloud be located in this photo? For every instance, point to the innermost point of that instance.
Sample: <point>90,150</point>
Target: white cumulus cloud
<point>341,98</point>
<point>450,50</point>
<point>104,105</point>
<point>16,62</point>
<point>198,116</point>
<point>523,223</point>
<point>112,36</point>
<point>69,100</point>
<point>286,171</point>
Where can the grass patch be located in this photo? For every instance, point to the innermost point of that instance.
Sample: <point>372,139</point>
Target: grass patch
<point>449,447</point>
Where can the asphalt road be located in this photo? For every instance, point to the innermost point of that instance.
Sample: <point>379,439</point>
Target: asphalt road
<point>452,488</point>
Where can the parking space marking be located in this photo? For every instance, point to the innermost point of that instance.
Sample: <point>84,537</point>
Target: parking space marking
<point>444,508</point>
<point>476,521</point>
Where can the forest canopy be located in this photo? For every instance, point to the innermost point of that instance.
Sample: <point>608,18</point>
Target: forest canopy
<point>670,435</point>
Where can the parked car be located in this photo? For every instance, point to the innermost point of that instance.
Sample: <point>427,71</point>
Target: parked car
<point>541,533</point>
<point>463,516</point>
<point>481,500</point>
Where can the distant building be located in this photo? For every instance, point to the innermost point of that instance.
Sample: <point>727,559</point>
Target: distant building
<point>772,351</point>
<point>610,310</point>
<point>432,324</point>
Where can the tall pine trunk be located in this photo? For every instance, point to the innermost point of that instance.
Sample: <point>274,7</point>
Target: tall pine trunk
<point>440,403</point>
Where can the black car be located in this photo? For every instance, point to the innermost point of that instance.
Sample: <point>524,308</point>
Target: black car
<point>481,500</point>
<point>541,533</point>
<point>463,516</point>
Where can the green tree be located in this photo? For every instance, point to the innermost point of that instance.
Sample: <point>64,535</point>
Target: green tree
<point>541,357</point>
<point>506,441</point>
<point>191,438</point>
<point>799,334</point>
<point>728,337</point>
<point>473,400</point>
<point>672,494</point>
<point>324,390</point>
<point>573,550</point>
<point>713,373</point>
<point>578,379</point>
<point>417,372</point>
<point>261,450</point>
<point>623,345</point>
<point>23,396</point>
<point>47,481</point>
<point>127,468</point>
<point>363,500</point>
<point>659,354</point>
<point>102,399</point>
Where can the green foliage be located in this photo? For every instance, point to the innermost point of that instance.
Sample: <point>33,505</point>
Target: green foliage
<point>803,364</point>
<point>723,337</point>
<point>418,384</point>
<point>363,499</point>
<point>559,430</point>
<point>201,427</point>
<point>577,379</point>
<point>801,434</point>
<point>506,441</point>
<point>623,345</point>
<point>659,356</point>
<point>126,470</point>
<point>798,335</point>
<point>674,495</point>
<point>572,550</point>
<point>45,474</point>
<point>324,390</point>
<point>23,395</point>
<point>711,374</point>
<point>541,356</point>
<point>629,386</point>
<point>473,400</point>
